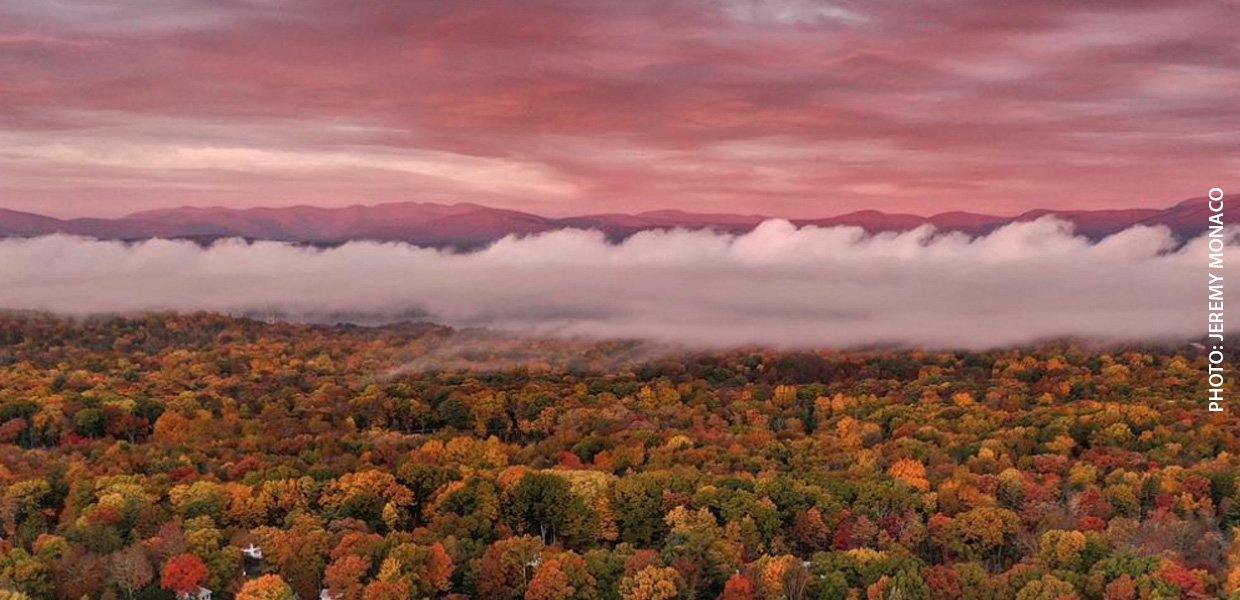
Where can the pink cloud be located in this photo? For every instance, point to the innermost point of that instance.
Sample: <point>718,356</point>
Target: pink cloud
<point>798,108</point>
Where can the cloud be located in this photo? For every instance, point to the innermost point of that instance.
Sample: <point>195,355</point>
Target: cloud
<point>476,173</point>
<point>908,106</point>
<point>778,285</point>
<point>789,11</point>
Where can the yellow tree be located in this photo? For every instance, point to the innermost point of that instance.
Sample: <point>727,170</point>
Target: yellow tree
<point>651,583</point>
<point>1062,549</point>
<point>912,472</point>
<point>267,587</point>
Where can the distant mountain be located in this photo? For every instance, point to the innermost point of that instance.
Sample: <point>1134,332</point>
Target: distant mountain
<point>473,225</point>
<point>872,221</point>
<point>13,223</point>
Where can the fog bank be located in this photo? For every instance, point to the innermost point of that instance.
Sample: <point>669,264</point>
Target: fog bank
<point>778,285</point>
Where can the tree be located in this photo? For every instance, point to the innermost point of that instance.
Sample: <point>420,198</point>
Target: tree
<point>343,578</point>
<point>387,590</point>
<point>1062,549</point>
<point>943,582</point>
<point>985,533</point>
<point>130,570</point>
<point>505,568</point>
<point>1122,588</point>
<point>912,472</point>
<point>298,553</point>
<point>1048,587</point>
<point>439,568</point>
<point>637,502</point>
<point>267,587</point>
<point>738,587</point>
<point>79,572</point>
<point>183,574</point>
<point>544,504</point>
<point>550,582</point>
<point>1189,582</point>
<point>905,585</point>
<point>561,577</point>
<point>652,583</point>
<point>696,546</point>
<point>810,531</point>
<point>365,495</point>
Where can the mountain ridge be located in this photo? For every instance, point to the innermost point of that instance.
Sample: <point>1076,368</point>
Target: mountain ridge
<point>469,225</point>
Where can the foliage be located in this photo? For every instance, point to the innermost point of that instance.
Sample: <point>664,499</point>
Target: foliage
<point>140,456</point>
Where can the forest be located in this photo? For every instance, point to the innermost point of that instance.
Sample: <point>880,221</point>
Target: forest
<point>171,456</point>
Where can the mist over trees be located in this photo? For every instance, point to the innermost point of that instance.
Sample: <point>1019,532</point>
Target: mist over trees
<point>162,455</point>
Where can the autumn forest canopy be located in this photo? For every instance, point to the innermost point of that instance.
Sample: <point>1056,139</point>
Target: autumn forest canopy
<point>165,455</point>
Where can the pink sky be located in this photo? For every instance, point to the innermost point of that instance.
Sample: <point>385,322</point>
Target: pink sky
<point>784,107</point>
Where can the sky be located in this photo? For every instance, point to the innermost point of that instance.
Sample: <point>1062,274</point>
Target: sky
<point>793,108</point>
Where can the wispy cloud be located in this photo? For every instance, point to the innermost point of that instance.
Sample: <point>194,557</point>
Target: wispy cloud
<point>494,175</point>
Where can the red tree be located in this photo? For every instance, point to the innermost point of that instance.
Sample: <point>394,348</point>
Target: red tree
<point>1190,583</point>
<point>183,574</point>
<point>439,569</point>
<point>738,587</point>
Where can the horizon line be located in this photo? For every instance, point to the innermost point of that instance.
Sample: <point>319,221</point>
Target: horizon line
<point>217,207</point>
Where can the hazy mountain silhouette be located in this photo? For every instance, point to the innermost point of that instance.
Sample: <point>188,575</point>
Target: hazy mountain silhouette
<point>472,225</point>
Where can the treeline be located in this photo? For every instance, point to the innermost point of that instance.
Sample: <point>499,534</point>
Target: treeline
<point>161,456</point>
